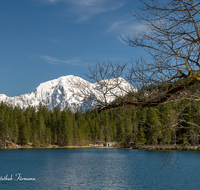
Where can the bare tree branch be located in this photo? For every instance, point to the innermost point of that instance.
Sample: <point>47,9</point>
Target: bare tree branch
<point>172,39</point>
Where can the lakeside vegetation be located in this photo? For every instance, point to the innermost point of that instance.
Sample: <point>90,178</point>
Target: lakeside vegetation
<point>173,123</point>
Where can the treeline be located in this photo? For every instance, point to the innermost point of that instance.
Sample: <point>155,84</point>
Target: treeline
<point>173,123</point>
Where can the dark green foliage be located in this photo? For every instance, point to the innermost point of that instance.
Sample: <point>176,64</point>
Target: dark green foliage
<point>165,124</point>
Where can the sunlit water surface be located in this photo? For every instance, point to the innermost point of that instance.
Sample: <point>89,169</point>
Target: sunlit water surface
<point>99,169</point>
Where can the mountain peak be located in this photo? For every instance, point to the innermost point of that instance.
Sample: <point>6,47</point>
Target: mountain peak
<point>59,92</point>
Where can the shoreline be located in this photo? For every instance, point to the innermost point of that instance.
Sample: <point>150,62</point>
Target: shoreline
<point>56,147</point>
<point>141,147</point>
<point>168,147</point>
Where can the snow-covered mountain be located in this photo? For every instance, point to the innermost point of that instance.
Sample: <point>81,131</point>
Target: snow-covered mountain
<point>70,92</point>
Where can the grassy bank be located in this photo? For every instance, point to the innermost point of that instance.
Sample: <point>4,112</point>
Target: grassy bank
<point>140,147</point>
<point>31,145</point>
<point>168,147</point>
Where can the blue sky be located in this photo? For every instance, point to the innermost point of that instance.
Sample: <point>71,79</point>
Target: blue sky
<point>41,40</point>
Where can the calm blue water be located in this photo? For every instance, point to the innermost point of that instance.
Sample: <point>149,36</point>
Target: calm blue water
<point>99,169</point>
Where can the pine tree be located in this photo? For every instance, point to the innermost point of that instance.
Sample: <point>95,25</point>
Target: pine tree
<point>24,136</point>
<point>153,123</point>
<point>41,129</point>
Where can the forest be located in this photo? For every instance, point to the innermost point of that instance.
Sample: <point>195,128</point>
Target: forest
<point>165,109</point>
<point>175,122</point>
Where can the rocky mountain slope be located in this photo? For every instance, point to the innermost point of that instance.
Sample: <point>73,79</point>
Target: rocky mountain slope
<point>70,92</point>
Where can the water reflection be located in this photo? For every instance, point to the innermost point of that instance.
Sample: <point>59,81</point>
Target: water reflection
<point>99,169</point>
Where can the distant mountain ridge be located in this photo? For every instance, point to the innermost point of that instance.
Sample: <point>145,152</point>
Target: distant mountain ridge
<point>60,92</point>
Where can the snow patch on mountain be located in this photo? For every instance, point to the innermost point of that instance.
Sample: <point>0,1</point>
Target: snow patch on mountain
<point>65,93</point>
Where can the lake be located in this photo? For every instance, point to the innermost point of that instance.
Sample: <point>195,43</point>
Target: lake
<point>98,169</point>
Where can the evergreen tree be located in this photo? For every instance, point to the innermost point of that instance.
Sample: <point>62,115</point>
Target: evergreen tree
<point>153,124</point>
<point>24,136</point>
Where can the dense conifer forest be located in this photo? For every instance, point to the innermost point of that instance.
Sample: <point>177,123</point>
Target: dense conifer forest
<point>176,122</point>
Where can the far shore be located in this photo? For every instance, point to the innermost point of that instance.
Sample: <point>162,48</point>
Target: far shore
<point>139,147</point>
<point>58,147</point>
<point>53,147</point>
<point>167,147</point>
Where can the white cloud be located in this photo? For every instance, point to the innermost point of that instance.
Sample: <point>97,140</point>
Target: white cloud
<point>125,27</point>
<point>57,61</point>
<point>86,2</point>
<point>88,8</point>
<point>120,39</point>
<point>50,1</point>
